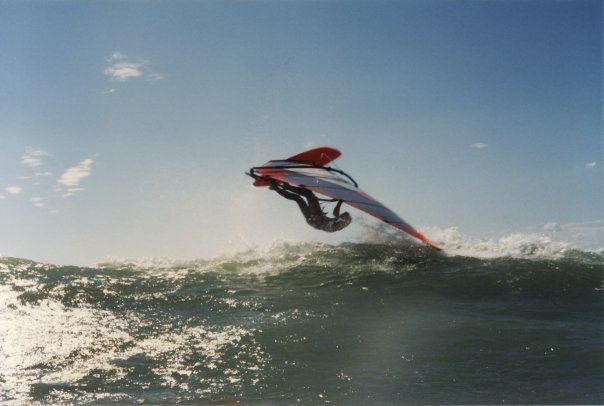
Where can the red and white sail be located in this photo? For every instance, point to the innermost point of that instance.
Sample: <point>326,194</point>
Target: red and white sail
<point>324,181</point>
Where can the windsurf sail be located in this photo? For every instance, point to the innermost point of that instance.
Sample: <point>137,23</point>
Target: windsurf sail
<point>330,182</point>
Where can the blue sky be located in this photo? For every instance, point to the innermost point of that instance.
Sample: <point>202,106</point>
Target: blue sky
<point>139,118</point>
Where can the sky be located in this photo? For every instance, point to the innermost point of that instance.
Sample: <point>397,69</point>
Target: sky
<point>126,127</point>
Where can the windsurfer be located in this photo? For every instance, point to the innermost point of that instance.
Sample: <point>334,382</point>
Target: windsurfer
<point>311,208</point>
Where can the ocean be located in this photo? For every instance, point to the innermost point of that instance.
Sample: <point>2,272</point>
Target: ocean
<point>308,323</point>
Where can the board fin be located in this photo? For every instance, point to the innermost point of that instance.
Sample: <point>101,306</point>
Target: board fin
<point>316,157</point>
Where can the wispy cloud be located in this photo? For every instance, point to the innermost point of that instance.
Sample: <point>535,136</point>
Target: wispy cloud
<point>37,201</point>
<point>479,145</point>
<point>112,90</point>
<point>123,71</point>
<point>117,56</point>
<point>155,76</point>
<point>33,158</point>
<point>2,197</point>
<point>581,225</point>
<point>72,176</point>
<point>590,223</point>
<point>43,173</point>
<point>72,191</point>
<point>13,190</point>
<point>590,165</point>
<point>122,68</point>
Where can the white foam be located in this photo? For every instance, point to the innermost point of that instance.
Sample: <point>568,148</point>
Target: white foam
<point>270,258</point>
<point>517,245</point>
<point>552,240</point>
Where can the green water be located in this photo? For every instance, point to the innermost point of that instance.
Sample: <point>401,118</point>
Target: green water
<point>353,324</point>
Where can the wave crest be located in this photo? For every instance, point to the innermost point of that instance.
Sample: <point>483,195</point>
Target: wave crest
<point>550,242</point>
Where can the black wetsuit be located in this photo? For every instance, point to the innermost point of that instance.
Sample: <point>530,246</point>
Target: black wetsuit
<point>312,210</point>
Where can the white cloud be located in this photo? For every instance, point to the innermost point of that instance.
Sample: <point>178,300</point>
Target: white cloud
<point>43,174</point>
<point>33,158</point>
<point>2,197</point>
<point>37,201</point>
<point>116,56</point>
<point>121,68</point>
<point>72,176</point>
<point>122,71</point>
<point>590,165</point>
<point>73,190</point>
<point>585,235</point>
<point>479,145</point>
<point>23,177</point>
<point>155,76</point>
<point>112,90</point>
<point>53,211</point>
<point>13,190</point>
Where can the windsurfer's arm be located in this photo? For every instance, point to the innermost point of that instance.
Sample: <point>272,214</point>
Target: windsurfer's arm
<point>336,210</point>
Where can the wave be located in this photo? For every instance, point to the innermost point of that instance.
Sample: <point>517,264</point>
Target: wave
<point>238,326</point>
<point>406,266</point>
<point>552,241</point>
<point>518,263</point>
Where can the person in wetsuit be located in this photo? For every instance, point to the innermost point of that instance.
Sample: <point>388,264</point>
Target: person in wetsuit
<point>311,208</point>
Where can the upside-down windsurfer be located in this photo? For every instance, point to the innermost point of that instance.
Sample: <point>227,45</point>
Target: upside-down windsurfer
<point>288,177</point>
<point>311,208</point>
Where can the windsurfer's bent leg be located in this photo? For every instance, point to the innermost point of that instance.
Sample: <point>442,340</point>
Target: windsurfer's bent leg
<point>292,196</point>
<point>313,202</point>
<point>313,206</point>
